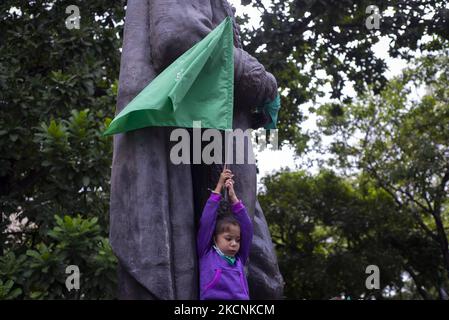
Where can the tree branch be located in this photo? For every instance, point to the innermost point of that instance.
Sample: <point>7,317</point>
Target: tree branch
<point>424,226</point>
<point>423,293</point>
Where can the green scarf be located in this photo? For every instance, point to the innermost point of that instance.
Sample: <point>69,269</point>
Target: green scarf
<point>229,259</point>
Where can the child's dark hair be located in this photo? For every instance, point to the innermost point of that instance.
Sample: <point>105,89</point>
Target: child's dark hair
<point>224,218</point>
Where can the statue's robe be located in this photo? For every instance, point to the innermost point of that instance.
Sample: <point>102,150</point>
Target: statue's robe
<point>155,205</point>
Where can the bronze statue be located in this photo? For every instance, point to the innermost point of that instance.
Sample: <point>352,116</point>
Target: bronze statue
<point>155,205</point>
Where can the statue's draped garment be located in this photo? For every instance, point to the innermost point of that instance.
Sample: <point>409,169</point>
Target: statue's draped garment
<point>155,205</point>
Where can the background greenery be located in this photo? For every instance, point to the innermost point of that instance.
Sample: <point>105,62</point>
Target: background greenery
<point>381,197</point>
<point>58,89</point>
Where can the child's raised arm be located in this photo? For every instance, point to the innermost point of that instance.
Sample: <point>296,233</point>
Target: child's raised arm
<point>209,215</point>
<point>246,226</point>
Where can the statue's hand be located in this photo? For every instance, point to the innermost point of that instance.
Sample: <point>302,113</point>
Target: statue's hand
<point>270,110</point>
<point>259,119</point>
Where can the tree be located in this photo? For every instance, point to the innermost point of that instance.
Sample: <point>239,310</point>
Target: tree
<point>401,140</point>
<point>57,94</point>
<point>327,230</point>
<point>299,39</point>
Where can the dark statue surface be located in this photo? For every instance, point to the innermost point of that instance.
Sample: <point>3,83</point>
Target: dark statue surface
<point>155,205</point>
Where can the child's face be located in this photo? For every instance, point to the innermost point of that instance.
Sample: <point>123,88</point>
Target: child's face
<point>229,241</point>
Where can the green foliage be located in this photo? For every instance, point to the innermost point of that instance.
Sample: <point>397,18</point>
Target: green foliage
<point>327,230</point>
<point>6,291</point>
<point>57,95</point>
<point>310,43</point>
<point>76,158</point>
<point>400,139</point>
<point>39,273</point>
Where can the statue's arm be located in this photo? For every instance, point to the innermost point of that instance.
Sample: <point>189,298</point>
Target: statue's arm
<point>173,33</point>
<point>253,84</point>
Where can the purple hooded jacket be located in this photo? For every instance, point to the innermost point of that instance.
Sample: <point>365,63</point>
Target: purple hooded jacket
<point>218,279</point>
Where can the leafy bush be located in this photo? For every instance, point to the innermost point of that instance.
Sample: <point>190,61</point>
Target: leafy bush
<point>40,272</point>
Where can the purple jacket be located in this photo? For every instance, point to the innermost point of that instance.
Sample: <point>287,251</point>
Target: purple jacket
<point>218,279</point>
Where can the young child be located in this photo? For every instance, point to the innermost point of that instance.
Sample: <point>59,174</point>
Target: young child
<point>223,246</point>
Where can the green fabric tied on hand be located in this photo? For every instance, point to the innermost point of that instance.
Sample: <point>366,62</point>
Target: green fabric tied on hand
<point>271,108</point>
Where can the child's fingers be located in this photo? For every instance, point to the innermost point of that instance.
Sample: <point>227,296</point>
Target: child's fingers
<point>228,175</point>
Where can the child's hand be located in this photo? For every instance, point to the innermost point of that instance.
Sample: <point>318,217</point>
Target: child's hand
<point>225,175</point>
<point>230,186</point>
